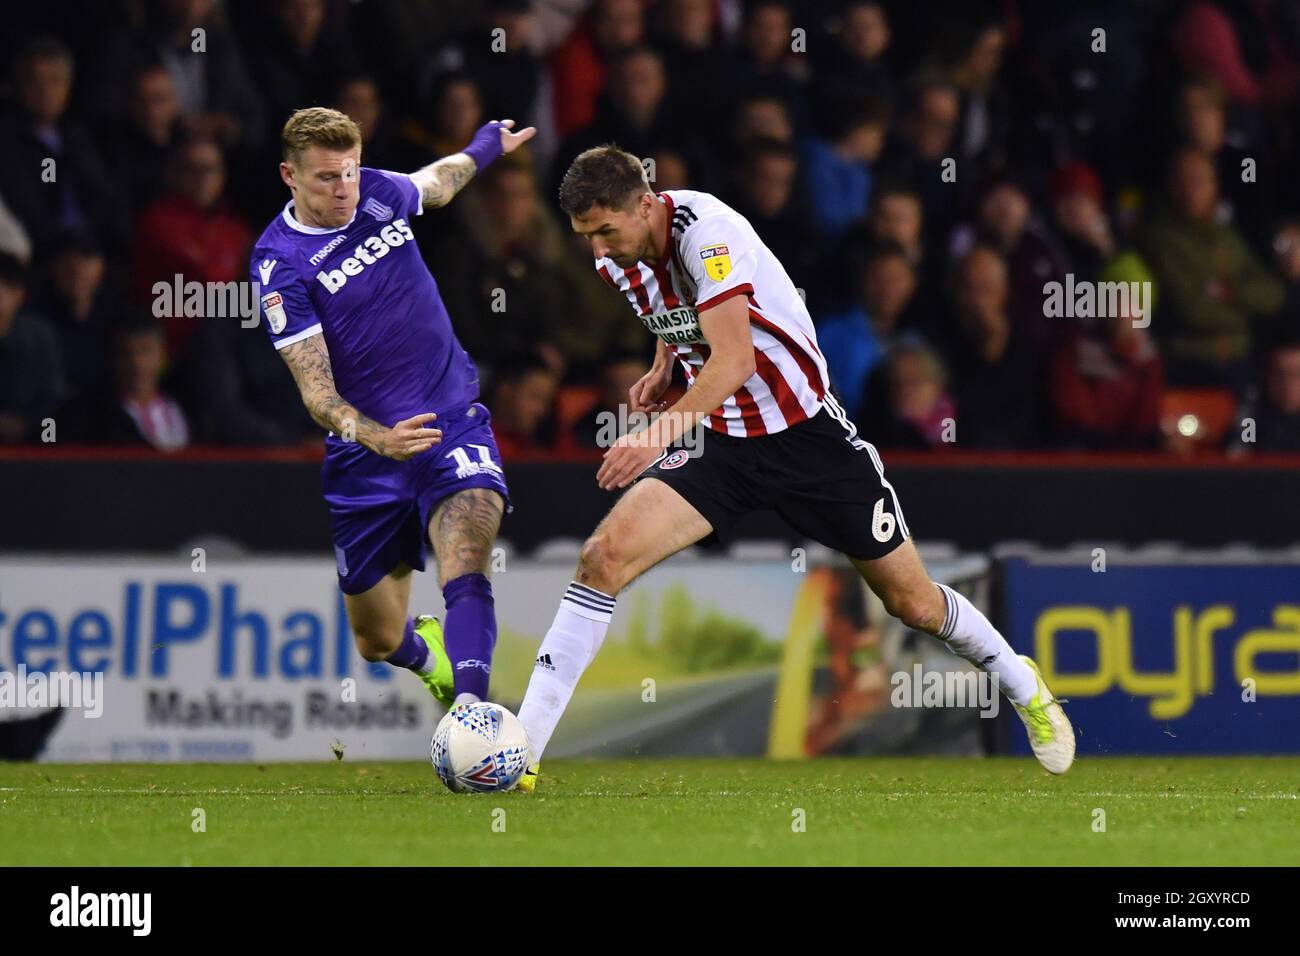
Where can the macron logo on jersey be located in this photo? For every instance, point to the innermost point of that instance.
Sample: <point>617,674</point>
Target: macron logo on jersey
<point>395,234</point>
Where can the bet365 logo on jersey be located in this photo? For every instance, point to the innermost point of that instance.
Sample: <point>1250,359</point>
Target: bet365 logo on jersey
<point>395,234</point>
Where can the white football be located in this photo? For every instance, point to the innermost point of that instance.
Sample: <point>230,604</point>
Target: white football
<point>479,748</point>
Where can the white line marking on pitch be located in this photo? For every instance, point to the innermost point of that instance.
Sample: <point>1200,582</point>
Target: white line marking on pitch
<point>145,791</point>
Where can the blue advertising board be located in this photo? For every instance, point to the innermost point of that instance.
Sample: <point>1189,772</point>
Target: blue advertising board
<point>1163,658</point>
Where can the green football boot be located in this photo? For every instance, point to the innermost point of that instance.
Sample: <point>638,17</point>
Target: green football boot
<point>1051,736</point>
<point>439,680</point>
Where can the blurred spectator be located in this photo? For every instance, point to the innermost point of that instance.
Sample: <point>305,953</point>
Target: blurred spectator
<point>670,171</point>
<point>191,233</point>
<point>884,302</point>
<point>838,163</point>
<point>1006,222</point>
<point>79,307</point>
<point>1107,379</point>
<point>760,116</point>
<point>31,380</point>
<point>300,51</point>
<point>1070,100</point>
<point>973,69</point>
<point>1211,285</point>
<point>767,195</point>
<point>695,61</point>
<point>521,406</point>
<point>920,140</point>
<point>1239,44</point>
<point>1275,411</point>
<point>856,64</point>
<point>579,67</point>
<point>633,113</point>
<point>455,112</point>
<point>209,75</point>
<point>919,411</point>
<point>358,96</point>
<point>393,37</point>
<point>1203,125</point>
<point>138,148</point>
<point>133,409</point>
<point>502,64</point>
<point>619,371</point>
<point>51,170</point>
<point>238,392</point>
<point>766,58</point>
<point>512,283</point>
<point>1078,208</point>
<point>897,216</point>
<point>996,376</point>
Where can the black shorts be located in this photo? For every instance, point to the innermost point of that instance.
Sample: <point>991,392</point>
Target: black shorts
<point>823,479</point>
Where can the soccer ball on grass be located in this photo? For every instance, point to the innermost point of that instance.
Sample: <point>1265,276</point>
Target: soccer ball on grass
<point>479,748</point>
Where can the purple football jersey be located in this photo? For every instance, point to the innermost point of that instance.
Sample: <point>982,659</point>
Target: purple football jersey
<point>365,287</point>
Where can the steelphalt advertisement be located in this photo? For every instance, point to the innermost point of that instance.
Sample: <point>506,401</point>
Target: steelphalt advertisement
<point>253,660</point>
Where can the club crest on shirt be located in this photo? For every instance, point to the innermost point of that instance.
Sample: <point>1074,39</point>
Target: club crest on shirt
<point>273,309</point>
<point>717,262</point>
<point>377,209</point>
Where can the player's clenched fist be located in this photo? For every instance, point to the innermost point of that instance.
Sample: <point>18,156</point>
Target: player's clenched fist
<point>409,437</point>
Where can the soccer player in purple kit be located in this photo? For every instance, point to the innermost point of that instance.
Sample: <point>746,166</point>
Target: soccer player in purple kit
<point>410,459</point>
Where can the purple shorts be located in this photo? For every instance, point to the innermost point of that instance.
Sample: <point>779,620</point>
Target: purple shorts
<point>380,508</point>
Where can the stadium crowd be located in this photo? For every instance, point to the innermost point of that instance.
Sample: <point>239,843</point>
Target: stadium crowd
<point>922,170</point>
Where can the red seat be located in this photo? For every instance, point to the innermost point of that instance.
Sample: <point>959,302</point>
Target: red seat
<point>1202,416</point>
<point>572,402</point>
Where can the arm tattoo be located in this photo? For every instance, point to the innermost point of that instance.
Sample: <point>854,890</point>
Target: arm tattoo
<point>463,529</point>
<point>440,181</point>
<point>309,360</point>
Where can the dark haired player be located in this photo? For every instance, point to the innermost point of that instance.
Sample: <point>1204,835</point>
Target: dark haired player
<point>775,437</point>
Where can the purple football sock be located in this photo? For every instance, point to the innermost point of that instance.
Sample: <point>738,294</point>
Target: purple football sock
<point>471,632</point>
<point>412,653</point>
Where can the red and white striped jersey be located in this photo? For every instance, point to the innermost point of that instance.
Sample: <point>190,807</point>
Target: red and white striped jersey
<point>712,253</point>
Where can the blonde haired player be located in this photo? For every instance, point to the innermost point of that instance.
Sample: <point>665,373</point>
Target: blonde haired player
<point>410,461</point>
<point>720,303</point>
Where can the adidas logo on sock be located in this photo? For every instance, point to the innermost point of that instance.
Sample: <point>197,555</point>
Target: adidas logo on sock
<point>544,660</point>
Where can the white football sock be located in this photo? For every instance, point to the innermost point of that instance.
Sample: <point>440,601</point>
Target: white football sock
<point>569,646</point>
<point>969,635</point>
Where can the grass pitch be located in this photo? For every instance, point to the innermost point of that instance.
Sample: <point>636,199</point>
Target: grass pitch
<point>869,812</point>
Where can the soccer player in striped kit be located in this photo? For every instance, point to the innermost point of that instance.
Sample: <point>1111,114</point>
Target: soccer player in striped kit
<point>720,303</point>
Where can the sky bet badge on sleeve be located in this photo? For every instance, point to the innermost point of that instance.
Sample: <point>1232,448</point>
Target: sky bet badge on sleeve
<point>717,262</point>
<point>273,308</point>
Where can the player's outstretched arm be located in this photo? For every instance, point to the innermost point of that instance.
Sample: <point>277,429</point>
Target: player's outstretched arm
<point>309,360</point>
<point>441,180</point>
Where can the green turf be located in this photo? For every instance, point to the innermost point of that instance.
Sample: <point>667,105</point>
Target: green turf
<point>908,811</point>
